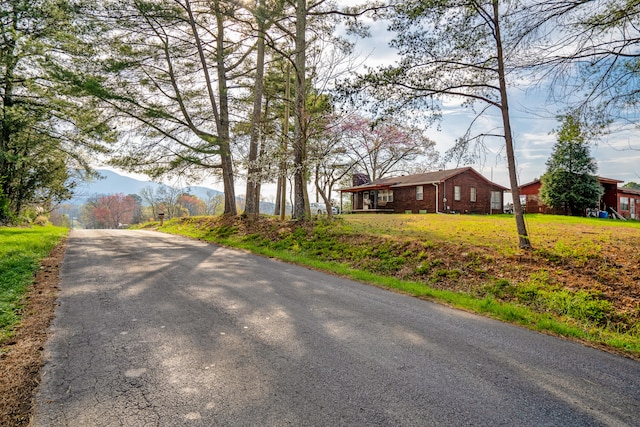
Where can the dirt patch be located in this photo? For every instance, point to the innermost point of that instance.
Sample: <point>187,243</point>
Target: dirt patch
<point>21,357</point>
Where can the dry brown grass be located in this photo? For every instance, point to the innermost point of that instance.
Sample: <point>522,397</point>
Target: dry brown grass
<point>21,357</point>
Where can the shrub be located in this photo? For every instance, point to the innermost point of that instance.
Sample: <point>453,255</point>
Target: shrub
<point>447,274</point>
<point>425,267</point>
<point>501,288</point>
<point>224,231</point>
<point>580,305</point>
<point>527,292</point>
<point>392,264</point>
<point>41,220</point>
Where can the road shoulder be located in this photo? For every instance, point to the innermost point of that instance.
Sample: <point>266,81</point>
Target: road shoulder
<point>21,357</point>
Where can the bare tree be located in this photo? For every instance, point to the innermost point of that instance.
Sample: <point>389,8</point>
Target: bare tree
<point>590,59</point>
<point>213,202</point>
<point>454,49</point>
<point>384,146</point>
<point>318,14</point>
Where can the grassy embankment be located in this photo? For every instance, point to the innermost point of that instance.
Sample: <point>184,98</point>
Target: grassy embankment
<point>21,250</point>
<point>582,280</point>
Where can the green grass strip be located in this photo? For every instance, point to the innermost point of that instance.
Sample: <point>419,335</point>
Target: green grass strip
<point>21,250</point>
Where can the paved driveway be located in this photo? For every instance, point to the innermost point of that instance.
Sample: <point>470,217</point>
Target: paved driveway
<point>154,329</point>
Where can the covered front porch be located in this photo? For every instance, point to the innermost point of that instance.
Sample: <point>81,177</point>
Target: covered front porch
<point>373,199</point>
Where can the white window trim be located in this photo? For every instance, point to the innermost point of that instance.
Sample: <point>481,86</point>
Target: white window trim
<point>385,196</point>
<point>626,202</point>
<point>496,202</point>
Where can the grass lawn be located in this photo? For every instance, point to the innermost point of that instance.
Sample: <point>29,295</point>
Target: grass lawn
<point>581,280</point>
<point>21,250</point>
<point>498,232</point>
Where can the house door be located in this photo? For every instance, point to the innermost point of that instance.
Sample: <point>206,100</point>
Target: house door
<point>632,208</point>
<point>365,200</point>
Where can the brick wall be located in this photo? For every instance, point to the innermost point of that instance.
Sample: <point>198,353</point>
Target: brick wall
<point>405,197</point>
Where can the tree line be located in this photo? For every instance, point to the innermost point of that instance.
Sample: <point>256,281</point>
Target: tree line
<point>269,91</point>
<point>120,210</point>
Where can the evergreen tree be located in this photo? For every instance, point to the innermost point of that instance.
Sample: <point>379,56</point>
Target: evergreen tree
<point>44,134</point>
<point>165,73</point>
<point>570,183</point>
<point>632,185</point>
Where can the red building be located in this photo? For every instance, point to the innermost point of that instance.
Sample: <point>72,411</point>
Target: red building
<point>460,190</point>
<point>624,201</point>
<point>628,203</point>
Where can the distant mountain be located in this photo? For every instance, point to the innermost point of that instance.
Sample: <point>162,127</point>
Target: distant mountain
<point>114,183</point>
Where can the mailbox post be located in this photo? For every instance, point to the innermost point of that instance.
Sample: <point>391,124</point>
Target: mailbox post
<point>161,215</point>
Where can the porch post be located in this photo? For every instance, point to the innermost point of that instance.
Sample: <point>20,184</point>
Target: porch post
<point>437,195</point>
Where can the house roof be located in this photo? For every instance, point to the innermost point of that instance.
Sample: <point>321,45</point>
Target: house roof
<point>535,181</point>
<point>623,190</point>
<point>417,179</point>
<point>604,180</point>
<point>601,179</point>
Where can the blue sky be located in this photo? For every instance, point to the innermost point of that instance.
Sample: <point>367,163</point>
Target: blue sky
<point>617,154</point>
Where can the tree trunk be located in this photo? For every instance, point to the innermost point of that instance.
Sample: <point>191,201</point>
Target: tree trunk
<point>252,207</point>
<point>276,209</point>
<point>262,151</point>
<point>6,173</point>
<point>223,127</point>
<point>222,116</point>
<point>299,139</point>
<point>523,237</point>
<point>282,188</point>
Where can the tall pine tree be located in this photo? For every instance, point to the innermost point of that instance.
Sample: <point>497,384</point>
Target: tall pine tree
<point>46,133</point>
<point>570,183</point>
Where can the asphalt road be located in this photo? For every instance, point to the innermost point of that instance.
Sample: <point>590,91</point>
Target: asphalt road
<point>154,329</point>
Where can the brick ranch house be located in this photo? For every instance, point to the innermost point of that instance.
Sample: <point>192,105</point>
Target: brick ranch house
<point>625,201</point>
<point>461,190</point>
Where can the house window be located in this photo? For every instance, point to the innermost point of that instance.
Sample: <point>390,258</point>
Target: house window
<point>624,203</point>
<point>472,195</point>
<point>496,201</point>
<point>385,196</point>
<point>456,193</point>
<point>419,194</point>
